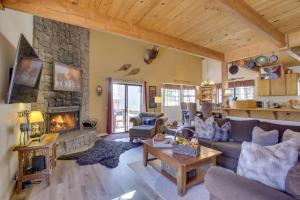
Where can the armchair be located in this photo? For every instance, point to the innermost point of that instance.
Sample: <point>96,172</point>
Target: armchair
<point>140,130</point>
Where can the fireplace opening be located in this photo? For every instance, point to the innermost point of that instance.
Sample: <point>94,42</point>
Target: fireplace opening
<point>63,119</point>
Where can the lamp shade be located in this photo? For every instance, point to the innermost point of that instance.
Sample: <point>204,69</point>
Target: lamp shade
<point>157,99</point>
<point>36,117</point>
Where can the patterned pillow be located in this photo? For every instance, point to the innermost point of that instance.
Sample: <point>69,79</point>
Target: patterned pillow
<point>264,138</point>
<point>222,133</point>
<point>148,120</point>
<point>204,129</point>
<point>268,164</point>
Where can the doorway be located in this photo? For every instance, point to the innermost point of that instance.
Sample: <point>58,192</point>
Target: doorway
<point>127,102</point>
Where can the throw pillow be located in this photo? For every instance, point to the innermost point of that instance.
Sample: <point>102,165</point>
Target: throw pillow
<point>264,138</point>
<point>289,134</point>
<point>292,182</point>
<point>222,133</point>
<point>204,129</point>
<point>268,164</point>
<point>148,120</point>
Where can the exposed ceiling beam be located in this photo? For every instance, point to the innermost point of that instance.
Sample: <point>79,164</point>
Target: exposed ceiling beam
<point>294,52</point>
<point>245,13</point>
<point>262,47</point>
<point>89,17</point>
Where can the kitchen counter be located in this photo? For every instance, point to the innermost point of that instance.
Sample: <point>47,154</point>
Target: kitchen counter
<point>287,114</point>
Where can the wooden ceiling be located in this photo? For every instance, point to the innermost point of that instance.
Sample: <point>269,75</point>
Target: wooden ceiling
<point>209,28</point>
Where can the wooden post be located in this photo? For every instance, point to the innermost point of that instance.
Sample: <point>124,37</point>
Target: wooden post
<point>224,82</point>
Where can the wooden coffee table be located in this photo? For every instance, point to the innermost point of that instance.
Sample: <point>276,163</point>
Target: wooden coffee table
<point>181,163</point>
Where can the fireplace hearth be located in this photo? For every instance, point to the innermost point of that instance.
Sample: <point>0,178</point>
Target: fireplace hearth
<point>63,119</point>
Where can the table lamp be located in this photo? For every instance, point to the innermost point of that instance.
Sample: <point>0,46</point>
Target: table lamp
<point>157,100</point>
<point>35,119</point>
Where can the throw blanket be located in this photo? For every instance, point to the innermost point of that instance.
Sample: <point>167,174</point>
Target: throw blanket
<point>105,152</point>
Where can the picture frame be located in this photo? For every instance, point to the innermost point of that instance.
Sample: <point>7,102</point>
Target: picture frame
<point>152,95</point>
<point>271,72</point>
<point>66,78</point>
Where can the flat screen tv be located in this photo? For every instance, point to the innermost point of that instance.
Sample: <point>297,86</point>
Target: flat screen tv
<point>25,75</point>
<point>66,78</point>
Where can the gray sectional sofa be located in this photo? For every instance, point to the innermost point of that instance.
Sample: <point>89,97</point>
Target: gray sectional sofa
<point>225,185</point>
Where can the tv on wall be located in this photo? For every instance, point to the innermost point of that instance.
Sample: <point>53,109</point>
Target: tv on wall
<point>25,75</point>
<point>66,78</point>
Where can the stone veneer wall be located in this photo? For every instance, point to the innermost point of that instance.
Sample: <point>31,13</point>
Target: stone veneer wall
<point>64,43</point>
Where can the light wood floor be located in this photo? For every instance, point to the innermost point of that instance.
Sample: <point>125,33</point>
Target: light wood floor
<point>70,181</point>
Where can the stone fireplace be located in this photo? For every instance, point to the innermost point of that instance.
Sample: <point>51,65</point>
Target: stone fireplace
<point>63,119</point>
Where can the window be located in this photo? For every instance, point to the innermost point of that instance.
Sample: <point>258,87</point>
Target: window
<point>189,95</point>
<point>171,97</point>
<point>243,93</point>
<point>219,99</point>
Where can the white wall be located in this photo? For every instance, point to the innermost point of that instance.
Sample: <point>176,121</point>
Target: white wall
<point>12,23</point>
<point>212,70</point>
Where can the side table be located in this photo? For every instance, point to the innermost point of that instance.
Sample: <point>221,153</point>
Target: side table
<point>46,147</point>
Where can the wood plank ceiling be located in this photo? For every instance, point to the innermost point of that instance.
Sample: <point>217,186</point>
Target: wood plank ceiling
<point>199,22</point>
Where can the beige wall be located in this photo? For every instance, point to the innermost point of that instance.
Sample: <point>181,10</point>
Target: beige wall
<point>12,23</point>
<point>109,52</point>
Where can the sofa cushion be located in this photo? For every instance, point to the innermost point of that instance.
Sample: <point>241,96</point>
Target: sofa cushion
<point>229,149</point>
<point>221,133</point>
<point>205,142</point>
<point>143,131</point>
<point>204,129</point>
<point>222,121</point>
<point>292,182</point>
<point>242,130</point>
<point>264,138</point>
<point>268,164</point>
<point>281,128</point>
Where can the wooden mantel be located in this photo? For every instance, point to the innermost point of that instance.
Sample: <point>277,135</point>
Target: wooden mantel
<point>74,13</point>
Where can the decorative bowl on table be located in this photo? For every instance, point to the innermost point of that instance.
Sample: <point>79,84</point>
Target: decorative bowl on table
<point>296,107</point>
<point>186,147</point>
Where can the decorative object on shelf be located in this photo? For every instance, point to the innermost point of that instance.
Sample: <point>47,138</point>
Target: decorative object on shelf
<point>233,69</point>
<point>66,78</point>
<point>151,54</point>
<point>273,58</point>
<point>134,72</point>
<point>36,119</point>
<point>124,67</point>
<point>186,147</point>
<point>208,83</point>
<point>89,123</point>
<point>261,60</point>
<point>208,93</point>
<point>152,95</point>
<point>99,90</point>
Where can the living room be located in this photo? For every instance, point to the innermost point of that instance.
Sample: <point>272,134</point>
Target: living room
<point>113,78</point>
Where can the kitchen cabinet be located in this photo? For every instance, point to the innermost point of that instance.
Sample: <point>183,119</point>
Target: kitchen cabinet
<point>288,85</point>
<point>263,87</point>
<point>278,86</point>
<point>292,84</point>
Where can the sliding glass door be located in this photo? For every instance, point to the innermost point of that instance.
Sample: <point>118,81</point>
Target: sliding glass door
<point>127,102</point>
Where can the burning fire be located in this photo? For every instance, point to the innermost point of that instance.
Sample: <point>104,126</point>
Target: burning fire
<point>61,122</point>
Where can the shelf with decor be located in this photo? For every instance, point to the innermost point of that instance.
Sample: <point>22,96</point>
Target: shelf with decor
<point>208,93</point>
